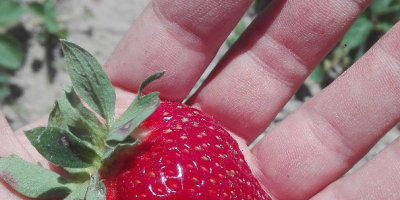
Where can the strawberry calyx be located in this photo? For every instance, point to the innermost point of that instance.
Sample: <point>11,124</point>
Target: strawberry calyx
<point>75,138</point>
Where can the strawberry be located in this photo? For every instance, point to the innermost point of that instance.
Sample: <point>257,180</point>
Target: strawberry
<point>186,155</point>
<point>155,150</point>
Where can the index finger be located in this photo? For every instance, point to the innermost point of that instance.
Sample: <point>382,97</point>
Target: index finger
<point>179,36</point>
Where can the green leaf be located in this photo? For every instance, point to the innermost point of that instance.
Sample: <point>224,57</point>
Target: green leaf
<point>70,114</point>
<point>33,180</point>
<point>10,52</point>
<point>360,52</point>
<point>4,79</point>
<point>380,6</point>
<point>4,92</point>
<point>50,15</point>
<point>140,109</point>
<point>317,75</point>
<point>56,118</point>
<point>240,27</point>
<point>62,33</point>
<point>10,11</point>
<point>51,25</point>
<point>232,39</point>
<point>96,190</point>
<point>237,31</point>
<point>358,32</point>
<point>384,26</point>
<point>61,147</point>
<point>79,193</point>
<point>90,81</point>
<point>36,8</point>
<point>49,8</point>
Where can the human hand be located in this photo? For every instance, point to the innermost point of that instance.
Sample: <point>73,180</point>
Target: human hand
<point>306,154</point>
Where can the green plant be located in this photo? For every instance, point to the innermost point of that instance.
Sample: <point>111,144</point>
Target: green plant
<point>11,51</point>
<point>47,12</point>
<point>377,19</point>
<point>237,31</point>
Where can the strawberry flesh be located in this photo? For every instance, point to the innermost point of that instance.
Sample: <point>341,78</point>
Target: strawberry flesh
<point>185,155</point>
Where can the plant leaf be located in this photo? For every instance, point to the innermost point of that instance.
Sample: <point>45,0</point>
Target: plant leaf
<point>360,51</point>
<point>50,14</point>
<point>70,114</point>
<point>33,180</point>
<point>50,24</point>
<point>4,92</point>
<point>10,52</point>
<point>49,8</point>
<point>358,32</point>
<point>380,6</point>
<point>56,118</point>
<point>62,33</point>
<point>10,11</point>
<point>96,189</point>
<point>317,75</point>
<point>79,193</point>
<point>4,79</point>
<point>384,26</point>
<point>237,31</point>
<point>36,8</point>
<point>90,81</point>
<point>140,109</point>
<point>61,147</point>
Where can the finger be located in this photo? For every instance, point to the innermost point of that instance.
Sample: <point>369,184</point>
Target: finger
<point>268,64</point>
<point>379,178</point>
<point>326,136</point>
<point>179,36</point>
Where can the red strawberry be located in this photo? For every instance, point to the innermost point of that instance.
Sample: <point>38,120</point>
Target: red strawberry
<point>186,155</point>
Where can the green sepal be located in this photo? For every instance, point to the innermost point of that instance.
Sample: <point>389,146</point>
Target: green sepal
<point>96,189</point>
<point>69,113</point>
<point>62,148</point>
<point>79,193</point>
<point>117,147</point>
<point>90,81</point>
<point>33,180</point>
<point>81,174</point>
<point>140,109</point>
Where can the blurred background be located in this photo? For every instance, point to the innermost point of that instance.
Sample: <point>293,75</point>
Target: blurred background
<point>32,68</point>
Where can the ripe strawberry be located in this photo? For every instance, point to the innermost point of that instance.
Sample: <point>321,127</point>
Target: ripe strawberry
<point>186,155</point>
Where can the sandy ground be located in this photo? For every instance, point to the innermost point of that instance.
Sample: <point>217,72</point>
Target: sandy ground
<point>99,35</point>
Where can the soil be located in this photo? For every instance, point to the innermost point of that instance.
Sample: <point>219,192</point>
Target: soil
<point>37,83</point>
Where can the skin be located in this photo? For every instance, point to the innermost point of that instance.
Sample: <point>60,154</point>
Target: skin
<point>307,153</point>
